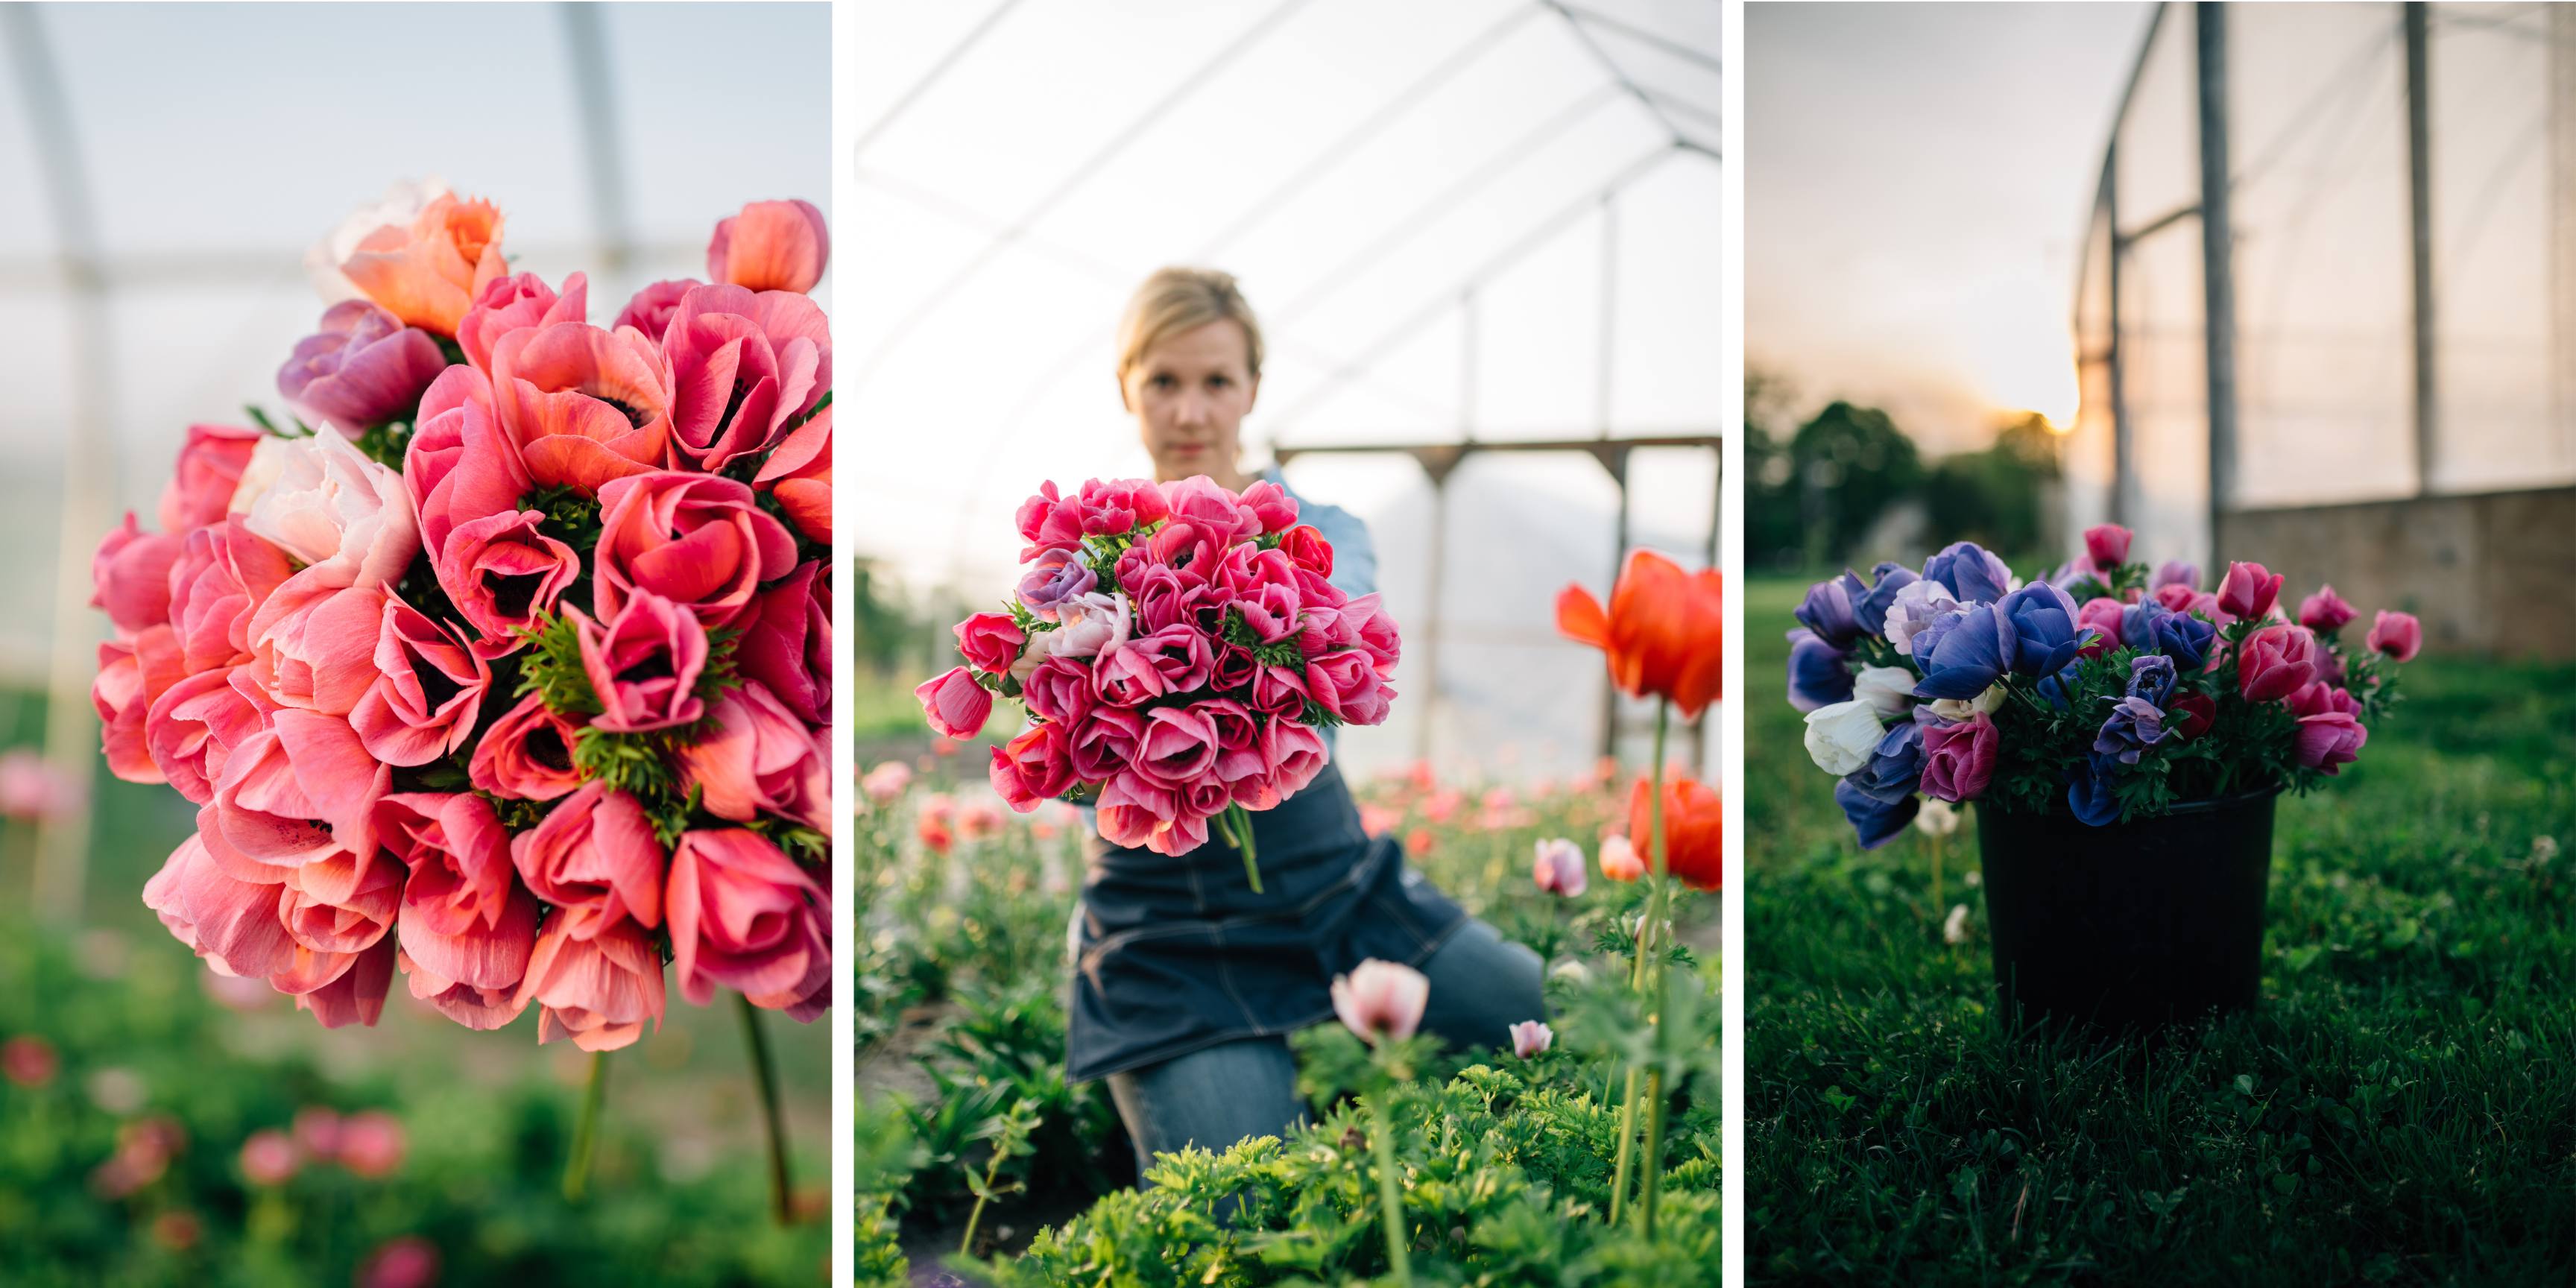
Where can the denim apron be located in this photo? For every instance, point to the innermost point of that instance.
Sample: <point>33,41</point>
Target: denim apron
<point>1176,953</point>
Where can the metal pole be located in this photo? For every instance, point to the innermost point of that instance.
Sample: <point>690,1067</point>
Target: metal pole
<point>2562,228</point>
<point>2123,461</point>
<point>1609,321</point>
<point>2218,278</point>
<point>1617,459</point>
<point>1431,601</point>
<point>595,91</point>
<point>89,470</point>
<point>2419,178</point>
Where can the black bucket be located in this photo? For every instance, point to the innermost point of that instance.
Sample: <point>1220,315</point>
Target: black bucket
<point>2137,925</point>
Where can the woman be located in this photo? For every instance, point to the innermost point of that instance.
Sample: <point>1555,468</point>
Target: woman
<point>1187,983</point>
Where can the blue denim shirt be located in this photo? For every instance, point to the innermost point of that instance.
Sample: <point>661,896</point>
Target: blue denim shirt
<point>1354,554</point>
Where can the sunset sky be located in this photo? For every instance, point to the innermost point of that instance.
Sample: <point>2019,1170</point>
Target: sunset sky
<point>1916,182</point>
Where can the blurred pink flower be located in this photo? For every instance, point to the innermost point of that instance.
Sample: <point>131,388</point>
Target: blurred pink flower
<point>372,1144</point>
<point>1560,869</point>
<point>886,782</point>
<point>30,789</point>
<point>406,1262</point>
<point>1381,999</point>
<point>1378,820</point>
<point>29,1061</point>
<point>177,1230</point>
<point>2398,635</point>
<point>978,820</point>
<point>317,1131</point>
<point>144,1149</point>
<point>269,1158</point>
<point>1619,859</point>
<point>1530,1037</point>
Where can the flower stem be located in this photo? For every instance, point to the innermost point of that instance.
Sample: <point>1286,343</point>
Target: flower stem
<point>1650,1167</point>
<point>992,1170</point>
<point>1238,831</point>
<point>585,1132</point>
<point>1390,1195</point>
<point>765,1073</point>
<point>1638,971</point>
<point>1627,1147</point>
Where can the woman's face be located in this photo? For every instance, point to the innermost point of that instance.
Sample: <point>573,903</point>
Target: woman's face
<point>1190,393</point>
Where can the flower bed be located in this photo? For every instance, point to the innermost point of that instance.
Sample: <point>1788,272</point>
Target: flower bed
<point>138,1147</point>
<point>965,934</point>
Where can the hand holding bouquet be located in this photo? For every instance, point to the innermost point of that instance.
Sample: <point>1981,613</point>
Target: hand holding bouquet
<point>509,669</point>
<point>1178,648</point>
<point>2119,692</point>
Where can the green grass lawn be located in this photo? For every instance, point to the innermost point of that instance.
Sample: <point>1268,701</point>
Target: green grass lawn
<point>2401,1108</point>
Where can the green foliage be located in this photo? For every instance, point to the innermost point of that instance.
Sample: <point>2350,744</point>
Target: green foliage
<point>1507,1163</point>
<point>883,625</point>
<point>643,765</point>
<point>1995,497</point>
<point>1848,463</point>
<point>550,668</point>
<point>571,517</point>
<point>385,443</point>
<point>478,1182</point>
<point>2400,1108</point>
<point>1505,1174</point>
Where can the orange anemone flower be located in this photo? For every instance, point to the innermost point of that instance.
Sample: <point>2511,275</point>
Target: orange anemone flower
<point>1694,830</point>
<point>1663,632</point>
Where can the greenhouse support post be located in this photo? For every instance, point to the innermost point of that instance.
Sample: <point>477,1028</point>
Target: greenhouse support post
<point>2218,282</point>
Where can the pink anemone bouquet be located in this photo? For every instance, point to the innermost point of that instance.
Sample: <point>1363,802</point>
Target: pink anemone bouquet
<point>505,666</point>
<point>1179,649</point>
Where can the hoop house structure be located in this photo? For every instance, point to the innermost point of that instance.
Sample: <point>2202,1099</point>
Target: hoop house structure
<point>2328,311</point>
<point>1482,236</point>
<point>151,254</point>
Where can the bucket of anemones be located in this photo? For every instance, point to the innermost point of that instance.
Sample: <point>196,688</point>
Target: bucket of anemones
<point>2124,736</point>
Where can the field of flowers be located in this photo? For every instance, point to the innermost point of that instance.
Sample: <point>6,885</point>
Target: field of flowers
<point>970,1140</point>
<point>154,1133</point>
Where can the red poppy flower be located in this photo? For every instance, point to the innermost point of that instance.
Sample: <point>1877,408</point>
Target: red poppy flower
<point>1663,632</point>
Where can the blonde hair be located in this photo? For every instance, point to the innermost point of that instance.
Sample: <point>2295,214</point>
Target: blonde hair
<point>1174,300</point>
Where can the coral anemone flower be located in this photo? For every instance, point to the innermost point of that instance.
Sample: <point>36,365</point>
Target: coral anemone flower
<point>1662,633</point>
<point>1694,829</point>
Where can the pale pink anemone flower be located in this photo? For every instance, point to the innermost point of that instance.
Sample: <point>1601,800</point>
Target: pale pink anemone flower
<point>1381,1000</point>
<point>1559,869</point>
<point>1531,1037</point>
<point>1620,860</point>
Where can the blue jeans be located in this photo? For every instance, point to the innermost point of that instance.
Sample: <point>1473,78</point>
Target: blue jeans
<point>1481,985</point>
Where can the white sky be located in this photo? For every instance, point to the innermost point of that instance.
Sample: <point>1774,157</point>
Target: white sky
<point>1916,182</point>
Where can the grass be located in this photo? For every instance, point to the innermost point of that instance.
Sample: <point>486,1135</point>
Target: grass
<point>2401,1108</point>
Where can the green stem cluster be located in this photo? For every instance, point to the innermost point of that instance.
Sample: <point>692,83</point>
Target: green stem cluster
<point>765,1075</point>
<point>1647,973</point>
<point>1390,1192</point>
<point>585,1132</point>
